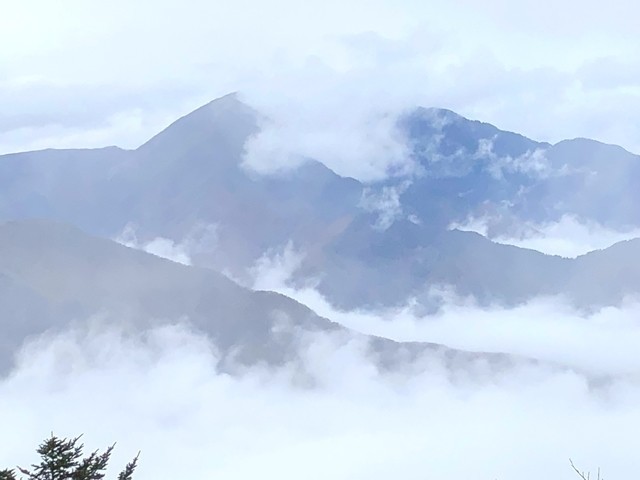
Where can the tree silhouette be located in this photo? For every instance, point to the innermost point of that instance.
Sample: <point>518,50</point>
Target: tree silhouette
<point>7,475</point>
<point>63,459</point>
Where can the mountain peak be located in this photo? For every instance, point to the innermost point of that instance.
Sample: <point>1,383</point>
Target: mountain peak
<point>223,120</point>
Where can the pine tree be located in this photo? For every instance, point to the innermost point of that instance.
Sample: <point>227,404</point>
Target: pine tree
<point>62,459</point>
<point>7,475</point>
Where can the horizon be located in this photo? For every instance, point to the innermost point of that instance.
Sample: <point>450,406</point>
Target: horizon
<point>83,76</point>
<point>239,94</point>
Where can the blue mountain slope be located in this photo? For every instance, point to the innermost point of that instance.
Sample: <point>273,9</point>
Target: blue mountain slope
<point>191,174</point>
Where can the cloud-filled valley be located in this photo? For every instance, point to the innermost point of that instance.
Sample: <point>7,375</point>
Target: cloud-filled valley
<point>159,391</point>
<point>340,270</point>
<point>567,237</point>
<point>334,411</point>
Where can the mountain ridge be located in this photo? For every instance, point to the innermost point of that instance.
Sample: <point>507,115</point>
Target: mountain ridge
<point>190,175</point>
<point>99,276</point>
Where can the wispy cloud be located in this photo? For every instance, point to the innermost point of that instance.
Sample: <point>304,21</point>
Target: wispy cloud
<point>202,238</point>
<point>337,74</point>
<point>569,237</point>
<point>601,342</point>
<point>385,202</point>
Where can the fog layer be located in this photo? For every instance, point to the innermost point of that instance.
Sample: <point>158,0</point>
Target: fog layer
<point>159,392</point>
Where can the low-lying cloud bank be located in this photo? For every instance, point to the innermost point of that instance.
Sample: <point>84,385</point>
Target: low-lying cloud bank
<point>159,391</point>
<point>601,342</point>
<point>568,237</point>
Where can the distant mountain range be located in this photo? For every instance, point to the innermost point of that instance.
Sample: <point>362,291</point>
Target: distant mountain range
<point>191,175</point>
<point>54,276</point>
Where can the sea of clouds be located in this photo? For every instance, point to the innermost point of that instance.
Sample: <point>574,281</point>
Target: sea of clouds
<point>159,391</point>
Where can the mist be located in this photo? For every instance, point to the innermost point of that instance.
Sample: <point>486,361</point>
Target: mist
<point>599,342</point>
<point>575,393</point>
<point>201,366</point>
<point>200,239</point>
<point>568,237</point>
<point>158,391</point>
<point>575,80</point>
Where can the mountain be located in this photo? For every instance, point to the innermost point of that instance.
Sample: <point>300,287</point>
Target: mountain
<point>190,177</point>
<point>187,176</point>
<point>76,186</point>
<point>54,276</point>
<point>57,274</point>
<point>470,168</point>
<point>407,266</point>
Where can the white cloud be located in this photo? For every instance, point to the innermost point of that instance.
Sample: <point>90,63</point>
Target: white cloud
<point>601,342</point>
<point>533,162</point>
<point>275,267</point>
<point>361,144</point>
<point>159,246</point>
<point>127,126</point>
<point>385,203</point>
<point>569,237</point>
<point>330,76</point>
<point>159,392</point>
<point>202,238</point>
<point>333,94</point>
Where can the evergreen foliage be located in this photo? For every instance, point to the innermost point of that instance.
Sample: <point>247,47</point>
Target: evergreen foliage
<point>64,459</point>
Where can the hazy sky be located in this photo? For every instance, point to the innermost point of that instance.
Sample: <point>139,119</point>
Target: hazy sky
<point>88,73</point>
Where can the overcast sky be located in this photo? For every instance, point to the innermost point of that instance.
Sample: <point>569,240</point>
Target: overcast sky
<point>77,73</point>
